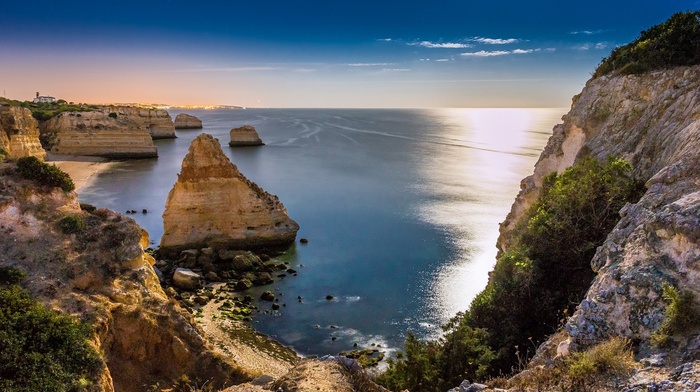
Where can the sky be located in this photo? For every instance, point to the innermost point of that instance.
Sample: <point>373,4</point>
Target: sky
<point>303,53</point>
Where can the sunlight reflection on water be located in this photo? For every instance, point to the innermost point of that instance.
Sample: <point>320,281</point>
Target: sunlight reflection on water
<point>475,189</point>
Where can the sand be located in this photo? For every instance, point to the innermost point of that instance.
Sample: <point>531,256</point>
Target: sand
<point>82,169</point>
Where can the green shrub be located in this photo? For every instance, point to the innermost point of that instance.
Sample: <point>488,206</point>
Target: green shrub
<point>44,174</point>
<point>42,350</point>
<point>3,153</point>
<point>72,224</point>
<point>546,272</point>
<point>674,42</point>
<point>613,357</point>
<point>681,315</point>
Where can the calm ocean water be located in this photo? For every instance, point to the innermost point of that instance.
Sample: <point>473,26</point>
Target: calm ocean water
<point>401,209</point>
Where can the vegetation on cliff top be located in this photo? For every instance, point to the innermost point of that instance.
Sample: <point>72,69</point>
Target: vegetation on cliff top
<point>46,110</point>
<point>42,350</point>
<point>44,174</point>
<point>675,42</point>
<point>544,276</point>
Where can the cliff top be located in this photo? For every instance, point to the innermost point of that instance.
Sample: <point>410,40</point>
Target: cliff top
<point>675,42</point>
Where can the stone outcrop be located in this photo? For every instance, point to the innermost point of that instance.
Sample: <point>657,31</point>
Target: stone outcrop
<point>213,204</point>
<point>653,122</point>
<point>99,133</point>
<point>244,136</point>
<point>102,274</point>
<point>186,121</point>
<point>157,122</point>
<point>19,133</point>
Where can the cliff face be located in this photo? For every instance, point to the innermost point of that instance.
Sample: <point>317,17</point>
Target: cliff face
<point>105,133</point>
<point>157,121</point>
<point>19,133</point>
<point>185,121</point>
<point>213,204</point>
<point>653,122</point>
<point>102,274</point>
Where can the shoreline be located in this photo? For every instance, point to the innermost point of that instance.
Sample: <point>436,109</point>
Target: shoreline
<point>83,170</point>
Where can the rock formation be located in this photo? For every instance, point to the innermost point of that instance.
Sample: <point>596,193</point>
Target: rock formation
<point>19,134</point>
<point>244,136</point>
<point>213,204</point>
<point>185,121</point>
<point>157,122</point>
<point>652,121</point>
<point>102,274</point>
<point>105,133</point>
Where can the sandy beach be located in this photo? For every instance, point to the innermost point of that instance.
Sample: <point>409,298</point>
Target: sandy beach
<point>82,169</point>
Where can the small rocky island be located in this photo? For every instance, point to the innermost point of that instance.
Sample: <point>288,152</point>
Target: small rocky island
<point>213,205</point>
<point>186,121</point>
<point>245,136</point>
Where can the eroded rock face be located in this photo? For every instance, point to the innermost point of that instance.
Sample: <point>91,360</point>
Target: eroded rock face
<point>653,122</point>
<point>19,133</point>
<point>186,121</point>
<point>213,204</point>
<point>157,122</point>
<point>102,274</point>
<point>244,136</point>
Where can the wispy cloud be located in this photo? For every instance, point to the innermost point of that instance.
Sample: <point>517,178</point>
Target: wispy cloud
<point>442,45</point>
<point>231,69</point>
<point>589,46</point>
<point>368,64</point>
<point>385,39</point>
<point>495,41</point>
<point>586,32</point>
<point>442,60</point>
<point>493,53</point>
<point>484,53</point>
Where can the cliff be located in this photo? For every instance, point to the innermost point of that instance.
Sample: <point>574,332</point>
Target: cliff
<point>95,268</point>
<point>186,121</point>
<point>157,121</point>
<point>213,204</point>
<point>651,120</point>
<point>105,133</point>
<point>244,136</point>
<point>19,133</point>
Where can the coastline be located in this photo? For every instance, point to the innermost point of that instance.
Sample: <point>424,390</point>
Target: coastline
<point>82,169</point>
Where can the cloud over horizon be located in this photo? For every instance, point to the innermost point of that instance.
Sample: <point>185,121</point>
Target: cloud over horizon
<point>495,41</point>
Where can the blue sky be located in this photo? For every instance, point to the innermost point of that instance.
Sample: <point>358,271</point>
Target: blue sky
<point>316,54</point>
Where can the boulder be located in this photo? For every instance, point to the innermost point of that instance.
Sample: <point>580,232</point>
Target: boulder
<point>186,279</point>
<point>186,121</point>
<point>244,136</point>
<point>213,205</point>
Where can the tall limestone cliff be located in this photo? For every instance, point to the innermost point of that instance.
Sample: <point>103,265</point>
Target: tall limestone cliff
<point>107,133</point>
<point>652,121</point>
<point>19,133</point>
<point>99,272</point>
<point>213,204</point>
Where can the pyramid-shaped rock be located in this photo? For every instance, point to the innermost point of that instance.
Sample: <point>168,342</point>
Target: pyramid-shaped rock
<point>213,205</point>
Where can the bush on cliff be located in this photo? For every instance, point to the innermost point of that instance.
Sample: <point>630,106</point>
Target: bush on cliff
<point>44,174</point>
<point>674,42</point>
<point>42,350</point>
<point>544,275</point>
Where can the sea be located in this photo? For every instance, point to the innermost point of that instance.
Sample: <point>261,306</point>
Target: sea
<point>400,207</point>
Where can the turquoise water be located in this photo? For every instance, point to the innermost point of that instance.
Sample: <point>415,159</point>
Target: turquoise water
<point>401,209</point>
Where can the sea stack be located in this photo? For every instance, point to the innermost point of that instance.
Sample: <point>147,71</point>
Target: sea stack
<point>19,134</point>
<point>213,205</point>
<point>245,136</point>
<point>186,121</point>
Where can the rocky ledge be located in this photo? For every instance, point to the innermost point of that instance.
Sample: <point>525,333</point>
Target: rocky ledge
<point>213,205</point>
<point>245,136</point>
<point>186,121</point>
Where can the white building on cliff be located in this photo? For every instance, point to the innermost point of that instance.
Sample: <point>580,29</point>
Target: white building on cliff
<point>44,99</point>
